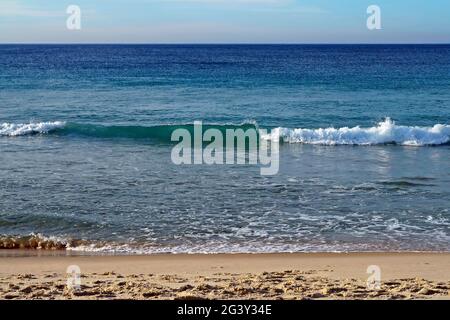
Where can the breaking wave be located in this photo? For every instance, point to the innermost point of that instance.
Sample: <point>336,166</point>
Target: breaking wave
<point>37,242</point>
<point>158,132</point>
<point>23,129</point>
<point>386,132</point>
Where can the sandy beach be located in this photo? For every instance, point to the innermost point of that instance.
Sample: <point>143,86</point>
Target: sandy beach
<point>42,275</point>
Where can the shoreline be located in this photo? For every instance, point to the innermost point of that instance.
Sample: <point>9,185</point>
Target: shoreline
<point>26,252</point>
<point>404,275</point>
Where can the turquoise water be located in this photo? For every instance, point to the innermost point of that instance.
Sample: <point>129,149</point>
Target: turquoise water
<point>364,164</point>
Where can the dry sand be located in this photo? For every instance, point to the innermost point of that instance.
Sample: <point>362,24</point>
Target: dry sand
<point>42,275</point>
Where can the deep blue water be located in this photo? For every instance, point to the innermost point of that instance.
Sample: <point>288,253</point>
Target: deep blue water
<point>84,153</point>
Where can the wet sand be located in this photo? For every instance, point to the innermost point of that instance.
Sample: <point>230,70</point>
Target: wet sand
<point>42,275</point>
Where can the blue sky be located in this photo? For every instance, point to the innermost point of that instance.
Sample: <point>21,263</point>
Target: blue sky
<point>225,21</point>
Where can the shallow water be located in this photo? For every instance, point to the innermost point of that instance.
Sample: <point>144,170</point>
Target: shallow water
<point>85,153</point>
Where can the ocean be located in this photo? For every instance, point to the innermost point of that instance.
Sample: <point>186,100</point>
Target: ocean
<point>85,148</point>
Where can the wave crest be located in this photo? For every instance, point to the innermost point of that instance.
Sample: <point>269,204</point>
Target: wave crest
<point>386,132</point>
<point>158,132</point>
<point>22,129</point>
<point>37,242</point>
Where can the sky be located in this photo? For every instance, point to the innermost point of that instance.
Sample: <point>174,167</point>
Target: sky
<point>225,21</point>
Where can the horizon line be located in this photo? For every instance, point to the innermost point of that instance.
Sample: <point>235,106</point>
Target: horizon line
<point>224,43</point>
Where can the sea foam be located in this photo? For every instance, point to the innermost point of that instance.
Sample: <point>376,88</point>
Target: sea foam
<point>386,132</point>
<point>22,129</point>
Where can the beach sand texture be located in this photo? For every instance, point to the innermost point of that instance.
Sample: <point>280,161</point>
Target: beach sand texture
<point>42,275</point>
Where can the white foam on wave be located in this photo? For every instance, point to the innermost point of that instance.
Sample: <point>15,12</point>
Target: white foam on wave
<point>22,129</point>
<point>225,248</point>
<point>384,133</point>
